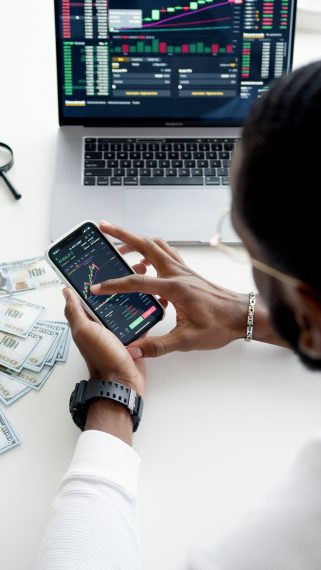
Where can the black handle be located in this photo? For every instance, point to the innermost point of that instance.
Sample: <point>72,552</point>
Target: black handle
<point>13,191</point>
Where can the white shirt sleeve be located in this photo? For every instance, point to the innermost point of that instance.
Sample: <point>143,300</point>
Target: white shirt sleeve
<point>93,520</point>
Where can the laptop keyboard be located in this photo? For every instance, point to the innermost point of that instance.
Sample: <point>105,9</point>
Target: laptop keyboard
<point>157,162</point>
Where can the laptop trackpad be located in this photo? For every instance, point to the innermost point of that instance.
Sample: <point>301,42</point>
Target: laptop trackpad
<point>73,203</point>
<point>175,214</point>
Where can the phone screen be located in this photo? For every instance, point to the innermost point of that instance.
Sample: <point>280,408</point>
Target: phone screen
<point>85,257</point>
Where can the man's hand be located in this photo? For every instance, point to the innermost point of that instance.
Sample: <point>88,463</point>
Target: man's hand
<point>208,316</point>
<point>106,357</point>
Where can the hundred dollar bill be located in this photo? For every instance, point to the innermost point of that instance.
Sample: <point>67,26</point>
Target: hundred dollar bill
<point>17,316</point>
<point>14,351</point>
<point>8,436</point>
<point>64,349</point>
<point>26,275</point>
<point>11,390</point>
<point>64,345</point>
<point>4,280</point>
<point>60,328</point>
<point>48,338</point>
<point>29,378</point>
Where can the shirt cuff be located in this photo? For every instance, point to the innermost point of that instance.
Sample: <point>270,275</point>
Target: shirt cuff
<point>102,456</point>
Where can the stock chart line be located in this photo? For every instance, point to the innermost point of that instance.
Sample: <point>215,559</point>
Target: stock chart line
<point>157,30</point>
<point>187,13</point>
<point>85,262</point>
<point>173,28</point>
<point>93,270</point>
<point>199,22</point>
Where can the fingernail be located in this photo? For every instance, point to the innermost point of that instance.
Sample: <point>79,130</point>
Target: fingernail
<point>95,288</point>
<point>136,352</point>
<point>105,223</point>
<point>65,292</point>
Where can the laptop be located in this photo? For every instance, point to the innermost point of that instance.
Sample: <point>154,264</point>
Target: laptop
<point>152,98</point>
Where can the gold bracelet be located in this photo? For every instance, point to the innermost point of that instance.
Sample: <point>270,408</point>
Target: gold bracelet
<point>250,317</point>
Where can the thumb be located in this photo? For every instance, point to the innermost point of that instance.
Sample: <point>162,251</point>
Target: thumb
<point>155,346</point>
<point>135,283</point>
<point>74,312</point>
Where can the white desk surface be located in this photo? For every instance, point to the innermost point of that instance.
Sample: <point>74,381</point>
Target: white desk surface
<point>219,428</point>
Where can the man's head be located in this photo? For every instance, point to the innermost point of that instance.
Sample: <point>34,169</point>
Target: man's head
<point>276,190</point>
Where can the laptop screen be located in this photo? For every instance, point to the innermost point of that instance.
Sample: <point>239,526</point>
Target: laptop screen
<point>197,62</point>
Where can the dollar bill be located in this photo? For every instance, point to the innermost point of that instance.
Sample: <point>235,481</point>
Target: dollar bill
<point>64,345</point>
<point>4,280</point>
<point>26,275</point>
<point>64,351</point>
<point>48,338</point>
<point>17,316</point>
<point>60,328</point>
<point>14,351</point>
<point>8,436</point>
<point>11,390</point>
<point>34,380</point>
<point>51,338</point>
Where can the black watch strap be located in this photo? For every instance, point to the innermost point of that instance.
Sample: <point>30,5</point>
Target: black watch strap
<point>87,391</point>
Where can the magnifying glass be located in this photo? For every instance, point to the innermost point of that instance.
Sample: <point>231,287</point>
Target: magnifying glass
<point>6,162</point>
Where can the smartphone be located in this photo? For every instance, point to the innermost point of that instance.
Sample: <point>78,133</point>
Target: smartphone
<point>83,257</point>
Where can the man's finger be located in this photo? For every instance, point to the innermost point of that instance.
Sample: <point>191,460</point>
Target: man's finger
<point>140,268</point>
<point>155,346</point>
<point>124,249</point>
<point>74,312</point>
<point>147,247</point>
<point>136,284</point>
<point>172,251</point>
<point>163,302</point>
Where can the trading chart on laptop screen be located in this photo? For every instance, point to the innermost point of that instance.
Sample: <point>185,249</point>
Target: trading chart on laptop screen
<point>203,60</point>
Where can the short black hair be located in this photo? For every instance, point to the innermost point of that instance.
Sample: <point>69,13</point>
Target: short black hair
<point>279,185</point>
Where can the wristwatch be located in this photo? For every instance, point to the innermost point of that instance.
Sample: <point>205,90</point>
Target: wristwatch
<point>87,391</point>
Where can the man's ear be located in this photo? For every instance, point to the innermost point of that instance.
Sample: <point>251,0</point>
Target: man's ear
<point>308,316</point>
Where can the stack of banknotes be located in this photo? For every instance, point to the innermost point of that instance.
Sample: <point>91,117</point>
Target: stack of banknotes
<point>30,346</point>
<point>26,275</point>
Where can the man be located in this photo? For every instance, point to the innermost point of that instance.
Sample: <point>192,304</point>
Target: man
<point>274,187</point>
